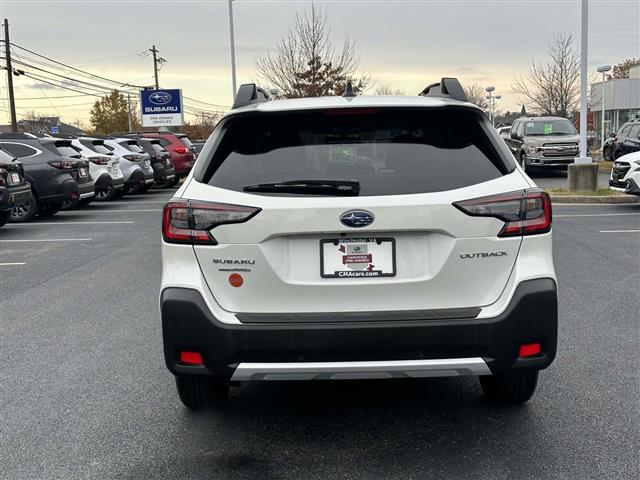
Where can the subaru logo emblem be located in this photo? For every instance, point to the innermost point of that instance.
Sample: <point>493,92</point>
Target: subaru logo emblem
<point>160,98</point>
<point>357,218</point>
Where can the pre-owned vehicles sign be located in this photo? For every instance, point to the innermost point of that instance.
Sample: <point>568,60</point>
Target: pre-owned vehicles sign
<point>161,108</point>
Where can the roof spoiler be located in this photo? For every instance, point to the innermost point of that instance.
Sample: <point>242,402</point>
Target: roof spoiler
<point>248,94</point>
<point>446,88</point>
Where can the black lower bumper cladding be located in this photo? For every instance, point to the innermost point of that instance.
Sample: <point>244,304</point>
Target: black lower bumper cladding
<point>531,317</point>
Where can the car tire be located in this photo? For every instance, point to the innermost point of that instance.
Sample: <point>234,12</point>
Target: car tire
<point>106,194</point>
<point>174,182</point>
<point>145,188</point>
<point>133,189</point>
<point>25,212</point>
<point>510,389</point>
<point>162,183</point>
<point>4,217</point>
<point>523,161</point>
<point>197,393</point>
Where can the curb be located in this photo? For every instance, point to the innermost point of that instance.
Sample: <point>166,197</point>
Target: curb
<point>610,199</point>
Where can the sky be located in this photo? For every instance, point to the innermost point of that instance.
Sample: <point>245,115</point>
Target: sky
<point>403,44</point>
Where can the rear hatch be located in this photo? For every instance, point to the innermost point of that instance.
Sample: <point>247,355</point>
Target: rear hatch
<point>72,161</point>
<point>366,222</point>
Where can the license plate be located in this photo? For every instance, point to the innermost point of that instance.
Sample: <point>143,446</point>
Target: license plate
<point>82,172</point>
<point>15,178</point>
<point>358,257</point>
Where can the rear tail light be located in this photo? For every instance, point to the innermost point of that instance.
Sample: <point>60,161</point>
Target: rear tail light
<point>133,158</point>
<point>99,160</point>
<point>181,150</point>
<point>189,222</point>
<point>3,174</point>
<point>62,164</point>
<point>527,212</point>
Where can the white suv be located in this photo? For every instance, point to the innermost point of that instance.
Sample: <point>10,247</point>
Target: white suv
<point>104,167</point>
<point>625,174</point>
<point>356,237</point>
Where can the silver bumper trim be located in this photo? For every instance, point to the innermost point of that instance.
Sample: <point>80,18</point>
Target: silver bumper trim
<point>87,195</point>
<point>446,367</point>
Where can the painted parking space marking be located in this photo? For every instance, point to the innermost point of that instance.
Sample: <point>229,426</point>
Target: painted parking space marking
<point>12,264</point>
<point>596,215</point>
<point>46,240</point>
<point>619,231</point>
<point>35,224</point>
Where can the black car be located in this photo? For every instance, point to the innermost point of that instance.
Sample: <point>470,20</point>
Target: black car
<point>15,191</point>
<point>56,171</point>
<point>163,170</point>
<point>627,140</point>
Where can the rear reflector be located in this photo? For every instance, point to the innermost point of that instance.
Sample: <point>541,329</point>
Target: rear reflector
<point>526,212</point>
<point>190,222</point>
<point>191,358</point>
<point>529,350</point>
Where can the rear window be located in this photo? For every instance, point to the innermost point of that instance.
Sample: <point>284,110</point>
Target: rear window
<point>132,146</point>
<point>389,152</point>
<point>96,147</point>
<point>156,147</point>
<point>185,141</point>
<point>64,150</point>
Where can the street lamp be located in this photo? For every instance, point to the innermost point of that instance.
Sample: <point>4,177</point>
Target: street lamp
<point>233,51</point>
<point>490,89</point>
<point>603,69</point>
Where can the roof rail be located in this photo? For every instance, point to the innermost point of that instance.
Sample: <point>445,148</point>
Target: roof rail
<point>446,88</point>
<point>248,94</point>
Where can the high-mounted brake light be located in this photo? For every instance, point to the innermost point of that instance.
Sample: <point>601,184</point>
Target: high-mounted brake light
<point>526,212</point>
<point>190,221</point>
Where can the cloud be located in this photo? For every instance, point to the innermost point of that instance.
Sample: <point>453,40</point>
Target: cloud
<point>42,86</point>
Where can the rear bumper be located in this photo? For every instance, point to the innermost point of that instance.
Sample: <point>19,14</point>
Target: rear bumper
<point>229,349</point>
<point>86,190</point>
<point>11,197</point>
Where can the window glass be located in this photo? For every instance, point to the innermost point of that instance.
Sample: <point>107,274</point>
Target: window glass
<point>18,149</point>
<point>560,126</point>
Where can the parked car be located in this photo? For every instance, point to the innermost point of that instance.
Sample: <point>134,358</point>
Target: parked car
<point>197,145</point>
<point>543,142</point>
<point>56,171</point>
<point>104,167</point>
<point>163,171</point>
<point>181,150</point>
<point>505,132</point>
<point>625,174</point>
<point>15,191</point>
<point>627,140</point>
<point>136,166</point>
<point>335,237</point>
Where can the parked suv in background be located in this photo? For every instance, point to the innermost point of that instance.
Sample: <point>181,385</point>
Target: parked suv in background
<point>15,191</point>
<point>104,167</point>
<point>163,171</point>
<point>335,238</point>
<point>543,142</point>
<point>625,174</point>
<point>627,140</point>
<point>181,150</point>
<point>136,167</point>
<point>52,168</point>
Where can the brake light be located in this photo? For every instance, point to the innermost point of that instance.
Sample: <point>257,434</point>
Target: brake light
<point>189,222</point>
<point>62,164</point>
<point>527,212</point>
<point>99,160</point>
<point>132,158</point>
<point>181,150</point>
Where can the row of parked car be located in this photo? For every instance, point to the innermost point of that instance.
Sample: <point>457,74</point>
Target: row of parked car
<point>41,175</point>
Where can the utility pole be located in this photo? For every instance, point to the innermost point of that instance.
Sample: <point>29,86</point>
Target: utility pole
<point>129,111</point>
<point>233,51</point>
<point>157,61</point>
<point>12,100</point>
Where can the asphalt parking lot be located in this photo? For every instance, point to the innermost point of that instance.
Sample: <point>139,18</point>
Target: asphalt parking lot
<point>85,393</point>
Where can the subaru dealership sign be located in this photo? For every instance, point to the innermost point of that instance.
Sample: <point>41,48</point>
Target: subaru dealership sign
<point>161,108</point>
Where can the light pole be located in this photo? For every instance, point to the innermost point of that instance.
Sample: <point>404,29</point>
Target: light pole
<point>233,51</point>
<point>490,89</point>
<point>603,69</point>
<point>584,55</point>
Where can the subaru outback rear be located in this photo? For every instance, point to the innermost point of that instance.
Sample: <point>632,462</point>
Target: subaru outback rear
<point>357,238</point>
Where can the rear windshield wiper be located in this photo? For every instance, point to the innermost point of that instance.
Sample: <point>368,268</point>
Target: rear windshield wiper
<point>308,187</point>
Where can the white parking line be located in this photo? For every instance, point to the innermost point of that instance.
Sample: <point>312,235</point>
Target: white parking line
<point>619,231</point>
<point>10,264</point>
<point>47,240</point>
<point>596,214</point>
<point>63,222</point>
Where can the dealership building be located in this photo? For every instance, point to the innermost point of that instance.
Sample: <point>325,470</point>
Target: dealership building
<point>621,101</point>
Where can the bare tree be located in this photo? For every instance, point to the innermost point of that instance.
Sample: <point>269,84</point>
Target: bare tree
<point>552,88</point>
<point>621,70</point>
<point>477,95</point>
<point>31,122</point>
<point>307,64</point>
<point>387,90</point>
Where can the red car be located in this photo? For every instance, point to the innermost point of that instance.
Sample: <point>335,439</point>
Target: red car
<point>181,150</point>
